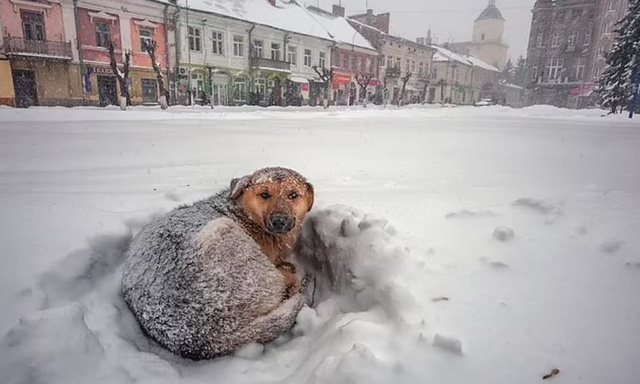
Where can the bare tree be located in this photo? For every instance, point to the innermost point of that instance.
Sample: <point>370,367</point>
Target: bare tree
<point>326,75</point>
<point>405,80</point>
<point>123,77</point>
<point>150,47</point>
<point>363,82</point>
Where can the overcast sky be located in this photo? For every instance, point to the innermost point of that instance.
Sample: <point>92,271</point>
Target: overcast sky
<point>449,20</point>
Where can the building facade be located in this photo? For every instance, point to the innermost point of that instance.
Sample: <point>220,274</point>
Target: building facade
<point>487,43</point>
<point>400,59</point>
<point>567,47</point>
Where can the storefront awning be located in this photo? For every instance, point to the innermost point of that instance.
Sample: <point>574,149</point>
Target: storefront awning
<point>298,79</point>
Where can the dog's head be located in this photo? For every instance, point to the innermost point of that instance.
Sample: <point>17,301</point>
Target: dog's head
<point>277,199</point>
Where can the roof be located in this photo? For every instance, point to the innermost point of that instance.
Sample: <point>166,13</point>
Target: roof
<point>445,55</point>
<point>491,12</point>
<point>286,15</point>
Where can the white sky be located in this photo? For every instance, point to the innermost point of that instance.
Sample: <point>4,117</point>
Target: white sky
<point>449,20</point>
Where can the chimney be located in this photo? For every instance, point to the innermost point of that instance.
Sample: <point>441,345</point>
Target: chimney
<point>382,22</point>
<point>272,2</point>
<point>338,10</point>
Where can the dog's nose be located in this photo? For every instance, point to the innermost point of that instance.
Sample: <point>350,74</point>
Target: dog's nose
<point>280,224</point>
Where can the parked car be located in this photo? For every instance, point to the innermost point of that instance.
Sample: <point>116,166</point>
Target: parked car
<point>484,103</point>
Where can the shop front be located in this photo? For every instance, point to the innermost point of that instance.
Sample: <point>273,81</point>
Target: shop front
<point>343,88</point>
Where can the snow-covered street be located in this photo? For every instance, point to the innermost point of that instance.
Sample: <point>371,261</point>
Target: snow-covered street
<point>512,247</point>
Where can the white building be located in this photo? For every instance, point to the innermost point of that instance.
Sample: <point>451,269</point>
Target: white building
<point>257,52</point>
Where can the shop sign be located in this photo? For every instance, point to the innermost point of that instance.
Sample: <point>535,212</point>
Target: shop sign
<point>341,79</point>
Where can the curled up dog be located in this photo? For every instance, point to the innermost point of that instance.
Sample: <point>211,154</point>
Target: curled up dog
<point>210,277</point>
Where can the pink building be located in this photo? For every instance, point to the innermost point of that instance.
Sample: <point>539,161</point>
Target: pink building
<point>38,47</point>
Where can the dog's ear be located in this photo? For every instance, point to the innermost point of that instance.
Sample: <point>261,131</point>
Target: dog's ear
<point>311,195</point>
<point>238,186</point>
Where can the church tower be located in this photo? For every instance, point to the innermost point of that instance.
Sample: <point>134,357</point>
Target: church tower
<point>489,26</point>
<point>487,43</point>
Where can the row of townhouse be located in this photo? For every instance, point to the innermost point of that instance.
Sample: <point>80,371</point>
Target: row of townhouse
<point>432,73</point>
<point>55,52</point>
<point>266,52</point>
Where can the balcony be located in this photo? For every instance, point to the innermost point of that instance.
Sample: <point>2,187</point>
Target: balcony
<point>272,65</point>
<point>17,46</point>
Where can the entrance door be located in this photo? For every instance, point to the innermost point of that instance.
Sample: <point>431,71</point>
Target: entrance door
<point>24,83</point>
<point>220,94</point>
<point>108,90</point>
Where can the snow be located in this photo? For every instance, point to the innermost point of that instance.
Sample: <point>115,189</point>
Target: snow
<point>415,288</point>
<point>444,55</point>
<point>287,16</point>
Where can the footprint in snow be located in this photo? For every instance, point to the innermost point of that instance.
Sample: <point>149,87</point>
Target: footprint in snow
<point>611,246</point>
<point>503,234</point>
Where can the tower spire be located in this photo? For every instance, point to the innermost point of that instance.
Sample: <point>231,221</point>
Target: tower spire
<point>492,2</point>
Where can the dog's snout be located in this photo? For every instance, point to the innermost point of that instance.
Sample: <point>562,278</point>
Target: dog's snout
<point>281,224</point>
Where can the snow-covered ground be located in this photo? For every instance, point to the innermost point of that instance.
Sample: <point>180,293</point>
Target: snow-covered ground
<point>512,247</point>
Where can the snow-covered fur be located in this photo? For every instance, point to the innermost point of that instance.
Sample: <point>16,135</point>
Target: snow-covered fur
<point>201,286</point>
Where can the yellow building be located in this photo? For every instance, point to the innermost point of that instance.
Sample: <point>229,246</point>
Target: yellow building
<point>7,95</point>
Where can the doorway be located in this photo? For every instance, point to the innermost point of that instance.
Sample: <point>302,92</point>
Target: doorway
<point>24,84</point>
<point>108,90</point>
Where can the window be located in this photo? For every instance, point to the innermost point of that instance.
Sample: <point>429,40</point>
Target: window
<point>413,66</point>
<point>103,35</point>
<point>540,40</point>
<point>238,46</point>
<point>578,68</point>
<point>218,43</point>
<point>149,91</point>
<point>258,48</point>
<point>345,61</point>
<point>322,59</point>
<point>195,39</point>
<point>307,57</point>
<point>336,59</point>
<point>421,69</point>
<point>556,40</point>
<point>33,25</point>
<point>363,65</point>
<point>587,38</point>
<point>434,73</point>
<point>370,65</point>
<point>560,17</point>
<point>606,28</point>
<point>612,6</point>
<point>398,60</point>
<point>571,41</point>
<point>389,62</point>
<point>534,74</point>
<point>146,37</point>
<point>382,61</point>
<point>292,55</point>
<point>482,37</point>
<point>275,51</point>
<point>554,69</point>
<point>354,63</point>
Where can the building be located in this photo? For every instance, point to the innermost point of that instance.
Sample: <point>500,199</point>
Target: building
<point>36,54</point>
<point>567,47</point>
<point>487,43</point>
<point>104,22</point>
<point>259,52</point>
<point>400,59</point>
<point>353,59</point>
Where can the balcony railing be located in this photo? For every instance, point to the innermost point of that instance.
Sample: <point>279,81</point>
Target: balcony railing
<point>18,46</point>
<point>262,63</point>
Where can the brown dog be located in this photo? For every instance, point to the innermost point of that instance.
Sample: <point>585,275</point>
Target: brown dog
<point>210,277</point>
<point>272,204</point>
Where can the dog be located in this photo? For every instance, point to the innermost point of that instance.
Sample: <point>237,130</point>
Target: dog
<point>210,277</point>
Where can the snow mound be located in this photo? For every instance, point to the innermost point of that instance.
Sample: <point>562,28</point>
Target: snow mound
<point>363,322</point>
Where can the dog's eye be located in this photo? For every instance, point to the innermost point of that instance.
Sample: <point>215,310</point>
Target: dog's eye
<point>265,195</point>
<point>293,195</point>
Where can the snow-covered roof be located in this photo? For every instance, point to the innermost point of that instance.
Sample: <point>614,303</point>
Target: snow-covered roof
<point>479,63</point>
<point>286,15</point>
<point>444,55</point>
